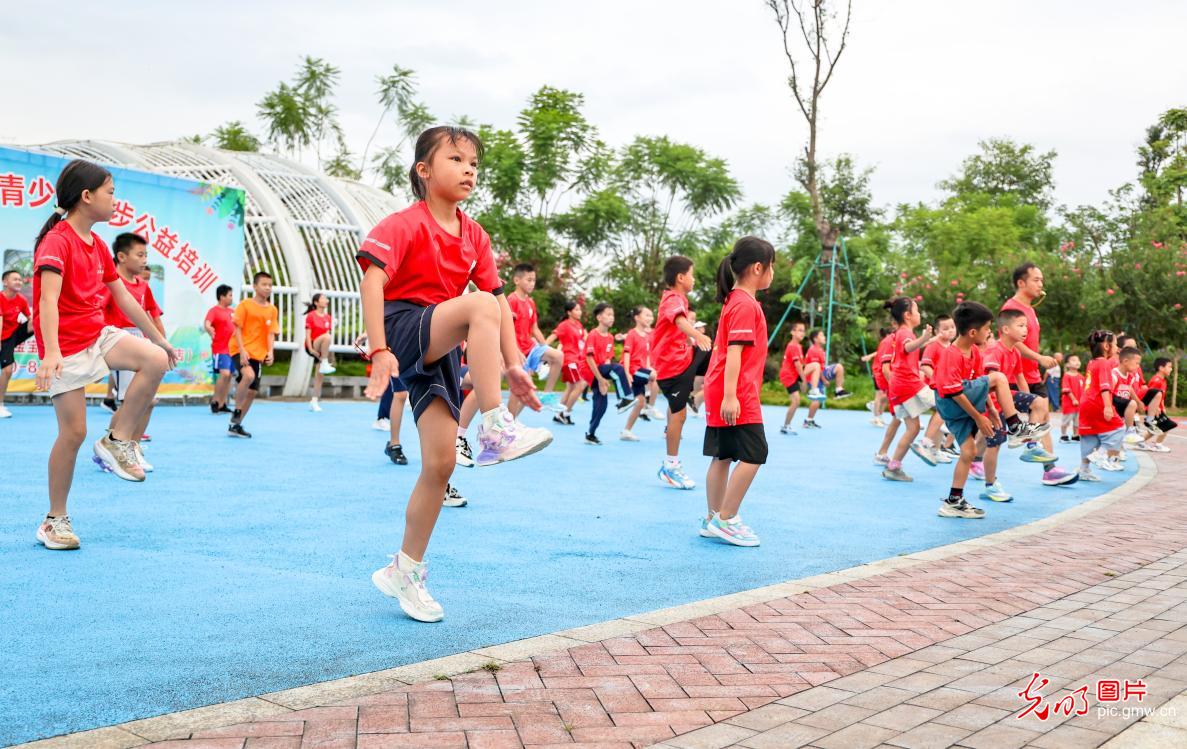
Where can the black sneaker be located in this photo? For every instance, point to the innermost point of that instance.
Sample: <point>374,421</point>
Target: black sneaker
<point>624,404</point>
<point>951,450</point>
<point>1064,438</point>
<point>1075,438</point>
<point>396,453</point>
<point>811,424</point>
<point>223,409</point>
<point>592,439</point>
<point>213,407</point>
<point>960,509</point>
<point>109,405</point>
<point>643,415</point>
<point>841,394</point>
<point>560,419</point>
<point>237,430</point>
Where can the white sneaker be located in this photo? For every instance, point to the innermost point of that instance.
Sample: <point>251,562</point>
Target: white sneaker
<point>140,456</point>
<point>453,498</point>
<point>628,436</point>
<point>5,413</point>
<point>407,586</point>
<point>655,414</point>
<point>465,457</point>
<point>382,425</point>
<point>1132,437</point>
<point>1111,464</point>
<point>877,421</point>
<point>508,439</point>
<point>326,368</point>
<point>1158,447</point>
<point>1086,474</point>
<point>313,406</point>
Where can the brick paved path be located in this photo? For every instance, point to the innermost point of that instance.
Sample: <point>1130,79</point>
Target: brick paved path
<point>1068,601</point>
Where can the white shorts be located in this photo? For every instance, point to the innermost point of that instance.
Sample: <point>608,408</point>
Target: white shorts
<point>123,377</point>
<point>87,366</point>
<point>919,404</point>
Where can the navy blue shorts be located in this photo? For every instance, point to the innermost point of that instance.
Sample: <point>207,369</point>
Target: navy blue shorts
<point>639,381</point>
<point>407,327</point>
<point>1023,401</point>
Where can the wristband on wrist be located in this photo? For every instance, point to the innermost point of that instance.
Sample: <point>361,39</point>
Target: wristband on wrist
<point>371,354</point>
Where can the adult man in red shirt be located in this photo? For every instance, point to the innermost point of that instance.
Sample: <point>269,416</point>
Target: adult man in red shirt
<point>1028,291</point>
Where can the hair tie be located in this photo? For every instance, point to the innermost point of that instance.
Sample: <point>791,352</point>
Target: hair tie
<point>59,210</point>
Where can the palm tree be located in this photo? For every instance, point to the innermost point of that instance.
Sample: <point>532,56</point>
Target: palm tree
<point>234,136</point>
<point>288,117</point>
<point>395,90</point>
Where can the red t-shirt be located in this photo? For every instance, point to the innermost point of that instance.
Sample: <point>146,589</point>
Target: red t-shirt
<point>742,322</point>
<point>1158,382</point>
<point>638,346</point>
<point>571,337</point>
<point>141,292</point>
<point>1126,385</point>
<point>11,310</point>
<point>788,374</point>
<point>905,379</point>
<point>426,264</point>
<point>523,312</point>
<point>1008,361</point>
<point>600,346</point>
<point>670,350</point>
<point>222,320</point>
<point>1030,369</point>
<point>1072,386</point>
<point>815,354</point>
<point>884,354</point>
<point>1097,386</point>
<point>931,355</point>
<point>85,270</point>
<point>954,368</point>
<point>318,325</point>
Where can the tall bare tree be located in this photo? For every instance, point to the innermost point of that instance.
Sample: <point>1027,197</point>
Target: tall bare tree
<point>823,35</point>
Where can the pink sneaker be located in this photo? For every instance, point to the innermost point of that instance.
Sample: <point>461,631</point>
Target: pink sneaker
<point>977,470</point>
<point>508,439</point>
<point>1055,476</point>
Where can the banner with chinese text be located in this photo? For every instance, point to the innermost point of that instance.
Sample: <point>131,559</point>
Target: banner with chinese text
<point>195,240</point>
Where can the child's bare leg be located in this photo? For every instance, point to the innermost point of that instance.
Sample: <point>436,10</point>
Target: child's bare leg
<point>469,408</point>
<point>317,380</point>
<point>960,472</point>
<point>675,429</point>
<point>932,435</point>
<point>792,405</point>
<point>637,409</point>
<point>812,374</point>
<point>1001,388</point>
<point>149,362</point>
<point>556,362</point>
<point>438,432</point>
<point>715,483</point>
<point>5,375</point>
<point>904,443</point>
<point>473,318</point>
<point>739,482</point>
<point>989,462</point>
<point>1131,412</point>
<point>888,435</point>
<point>396,415</point>
<point>839,377</point>
<point>71,411</point>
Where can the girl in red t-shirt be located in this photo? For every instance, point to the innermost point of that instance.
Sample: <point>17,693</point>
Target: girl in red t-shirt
<point>318,324</point>
<point>909,396</point>
<point>417,265</point>
<point>636,359</point>
<point>71,268</point>
<point>733,411</point>
<point>1101,427</point>
<point>1072,392</point>
<point>570,333</point>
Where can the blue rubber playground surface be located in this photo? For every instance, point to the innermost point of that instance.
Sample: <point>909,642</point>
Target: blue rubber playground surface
<point>243,567</point>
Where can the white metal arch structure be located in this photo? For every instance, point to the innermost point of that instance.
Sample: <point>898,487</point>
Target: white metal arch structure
<point>300,226</point>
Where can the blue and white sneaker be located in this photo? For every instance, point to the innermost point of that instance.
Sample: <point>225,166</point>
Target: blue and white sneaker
<point>1034,453</point>
<point>995,493</point>
<point>816,394</point>
<point>551,401</point>
<point>924,453</point>
<point>675,477</point>
<point>705,529</point>
<point>732,531</point>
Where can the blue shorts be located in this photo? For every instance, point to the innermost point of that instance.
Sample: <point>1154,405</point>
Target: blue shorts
<point>959,423</point>
<point>407,326</point>
<point>639,381</point>
<point>829,373</point>
<point>1023,401</point>
<point>535,356</point>
<point>220,362</point>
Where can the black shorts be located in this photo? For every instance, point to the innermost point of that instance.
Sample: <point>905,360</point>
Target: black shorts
<point>255,364</point>
<point>9,344</point>
<point>744,442</point>
<point>316,358</point>
<point>1120,404</point>
<point>678,389</point>
<point>407,326</point>
<point>1148,397</point>
<point>793,388</point>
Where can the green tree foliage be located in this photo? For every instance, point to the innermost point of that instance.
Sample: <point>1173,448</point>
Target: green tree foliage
<point>234,136</point>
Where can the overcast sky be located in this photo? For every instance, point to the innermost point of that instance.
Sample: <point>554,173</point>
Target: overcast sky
<point>921,82</point>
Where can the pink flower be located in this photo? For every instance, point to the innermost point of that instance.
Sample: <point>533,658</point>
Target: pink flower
<point>1110,292</point>
<point>903,274</point>
<point>1178,306</point>
<point>1137,266</point>
<point>1157,245</point>
<point>1179,272</point>
<point>955,282</point>
<point>918,298</point>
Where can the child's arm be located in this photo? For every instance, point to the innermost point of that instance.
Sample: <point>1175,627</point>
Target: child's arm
<point>160,325</point>
<point>519,382</point>
<point>47,313</point>
<point>538,334</point>
<point>1044,361</point>
<point>271,356</point>
<point>550,339</point>
<point>1020,381</point>
<point>979,418</point>
<point>603,386</point>
<point>869,356</point>
<point>134,312</point>
<point>383,362</point>
<point>927,371</point>
<point>702,341</point>
<point>733,367</point>
<point>919,342</point>
<point>886,370</point>
<point>626,359</point>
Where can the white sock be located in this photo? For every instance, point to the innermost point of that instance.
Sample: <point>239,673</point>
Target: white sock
<point>491,417</point>
<point>405,561</point>
<point>672,461</point>
<point>461,431</point>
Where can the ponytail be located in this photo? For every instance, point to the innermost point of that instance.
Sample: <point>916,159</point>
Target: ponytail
<point>76,178</point>
<point>746,252</point>
<point>312,303</point>
<point>899,306</point>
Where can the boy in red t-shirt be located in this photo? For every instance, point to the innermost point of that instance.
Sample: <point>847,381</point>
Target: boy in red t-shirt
<point>1101,428</point>
<point>318,325</point>
<point>791,374</point>
<point>599,357</point>
<point>537,354</point>
<point>17,327</point>
<point>1127,391</point>
<point>945,332</point>
<point>677,364</point>
<point>1155,400</point>
<point>636,360</point>
<point>733,412</point>
<point>1072,387</point>
<point>816,372</point>
<point>220,326</point>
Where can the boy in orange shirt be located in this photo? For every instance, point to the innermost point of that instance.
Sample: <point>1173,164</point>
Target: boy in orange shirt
<point>256,323</point>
